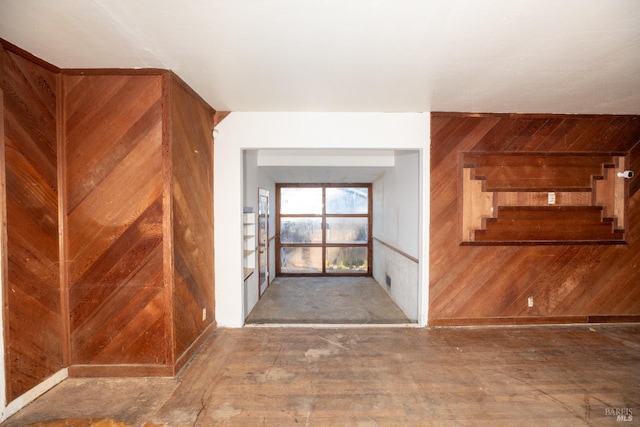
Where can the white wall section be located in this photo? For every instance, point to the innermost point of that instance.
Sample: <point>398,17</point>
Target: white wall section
<point>254,131</point>
<point>396,223</point>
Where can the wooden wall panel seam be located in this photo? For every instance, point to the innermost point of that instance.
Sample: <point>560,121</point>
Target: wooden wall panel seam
<point>4,261</point>
<point>167,207</point>
<point>62,228</point>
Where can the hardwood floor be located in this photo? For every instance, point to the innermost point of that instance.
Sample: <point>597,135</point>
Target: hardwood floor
<point>510,376</point>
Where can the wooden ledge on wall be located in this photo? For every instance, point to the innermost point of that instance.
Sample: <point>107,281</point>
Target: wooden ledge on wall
<point>542,198</point>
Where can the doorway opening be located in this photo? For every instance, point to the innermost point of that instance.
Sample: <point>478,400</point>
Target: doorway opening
<point>381,256</point>
<point>323,230</point>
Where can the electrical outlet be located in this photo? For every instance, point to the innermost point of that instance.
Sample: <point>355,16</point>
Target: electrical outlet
<point>530,302</point>
<point>387,280</point>
<point>204,314</point>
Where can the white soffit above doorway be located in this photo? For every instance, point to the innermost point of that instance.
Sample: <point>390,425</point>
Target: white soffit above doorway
<point>332,158</point>
<point>325,166</point>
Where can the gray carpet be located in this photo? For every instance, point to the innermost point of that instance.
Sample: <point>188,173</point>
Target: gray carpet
<point>326,300</point>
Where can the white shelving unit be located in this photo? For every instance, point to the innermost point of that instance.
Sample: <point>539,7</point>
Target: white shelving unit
<point>249,243</point>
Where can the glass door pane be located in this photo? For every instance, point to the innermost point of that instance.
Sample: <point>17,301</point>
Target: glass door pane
<point>300,230</point>
<point>298,260</point>
<point>347,260</point>
<point>301,200</point>
<point>347,230</point>
<point>347,200</point>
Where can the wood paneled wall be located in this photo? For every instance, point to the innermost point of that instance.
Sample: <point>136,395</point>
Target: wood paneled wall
<point>491,284</point>
<point>118,303</point>
<point>139,162</point>
<point>31,271</point>
<point>107,179</point>
<point>192,123</point>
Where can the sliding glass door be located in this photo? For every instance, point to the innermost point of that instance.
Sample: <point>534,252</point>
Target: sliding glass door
<point>323,229</point>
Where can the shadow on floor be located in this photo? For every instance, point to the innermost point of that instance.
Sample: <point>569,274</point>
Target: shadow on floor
<point>326,300</point>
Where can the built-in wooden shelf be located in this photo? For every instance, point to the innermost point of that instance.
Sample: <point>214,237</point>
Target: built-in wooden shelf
<point>542,198</point>
<point>249,243</point>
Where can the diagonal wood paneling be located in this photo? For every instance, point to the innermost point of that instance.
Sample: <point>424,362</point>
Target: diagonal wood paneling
<point>192,196</point>
<point>132,154</point>
<point>488,283</point>
<point>33,332</point>
<point>113,153</point>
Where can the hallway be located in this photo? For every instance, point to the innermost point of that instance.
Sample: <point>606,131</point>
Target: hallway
<point>326,300</point>
<point>510,376</point>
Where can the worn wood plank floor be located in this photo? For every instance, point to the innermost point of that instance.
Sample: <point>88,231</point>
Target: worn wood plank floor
<point>534,376</point>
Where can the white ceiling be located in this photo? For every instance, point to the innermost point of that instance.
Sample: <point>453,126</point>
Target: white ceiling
<point>313,165</point>
<point>554,56</point>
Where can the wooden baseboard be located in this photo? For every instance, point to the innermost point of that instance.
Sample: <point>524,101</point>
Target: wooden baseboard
<point>539,320</point>
<point>20,402</point>
<point>193,348</point>
<point>134,370</point>
<point>143,370</point>
<point>615,318</point>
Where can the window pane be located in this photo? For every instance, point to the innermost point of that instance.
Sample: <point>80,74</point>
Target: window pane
<point>347,200</point>
<point>301,230</point>
<point>347,260</point>
<point>300,260</point>
<point>347,230</point>
<point>294,200</point>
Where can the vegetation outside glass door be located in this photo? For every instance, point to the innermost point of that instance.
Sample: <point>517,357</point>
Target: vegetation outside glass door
<point>323,229</point>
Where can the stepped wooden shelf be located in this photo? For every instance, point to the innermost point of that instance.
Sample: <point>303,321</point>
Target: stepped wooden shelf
<point>542,198</point>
